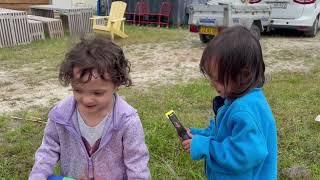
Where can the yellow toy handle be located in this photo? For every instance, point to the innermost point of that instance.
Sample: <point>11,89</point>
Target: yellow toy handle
<point>169,113</point>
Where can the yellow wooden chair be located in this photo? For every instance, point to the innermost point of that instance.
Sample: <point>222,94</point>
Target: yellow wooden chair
<point>114,22</point>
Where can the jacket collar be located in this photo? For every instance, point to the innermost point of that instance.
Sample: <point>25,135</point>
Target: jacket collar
<point>230,101</point>
<point>65,112</point>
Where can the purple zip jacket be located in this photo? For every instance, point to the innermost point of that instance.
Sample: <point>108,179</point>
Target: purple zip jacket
<point>122,153</point>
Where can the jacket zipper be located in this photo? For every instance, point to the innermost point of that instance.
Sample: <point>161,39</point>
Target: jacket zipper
<point>89,159</point>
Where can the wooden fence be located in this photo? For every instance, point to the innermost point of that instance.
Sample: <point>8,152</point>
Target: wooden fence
<point>14,28</point>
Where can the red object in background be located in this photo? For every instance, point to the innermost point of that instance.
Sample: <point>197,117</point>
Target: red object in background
<point>163,17</point>
<point>140,11</point>
<point>193,28</point>
<point>305,1</point>
<point>142,14</point>
<point>254,1</point>
<point>139,16</point>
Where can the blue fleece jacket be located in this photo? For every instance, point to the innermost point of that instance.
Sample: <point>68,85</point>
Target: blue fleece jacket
<point>241,143</point>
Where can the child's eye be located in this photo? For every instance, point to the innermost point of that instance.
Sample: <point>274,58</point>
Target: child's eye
<point>98,93</point>
<point>76,90</point>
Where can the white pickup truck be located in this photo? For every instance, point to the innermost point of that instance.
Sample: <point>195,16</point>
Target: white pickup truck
<point>208,19</point>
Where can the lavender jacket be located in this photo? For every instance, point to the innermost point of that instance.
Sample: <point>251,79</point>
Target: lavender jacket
<point>122,153</point>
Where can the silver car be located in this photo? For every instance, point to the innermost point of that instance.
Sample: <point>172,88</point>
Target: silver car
<point>302,15</point>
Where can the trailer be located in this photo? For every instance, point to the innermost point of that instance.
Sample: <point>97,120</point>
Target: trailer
<point>209,19</point>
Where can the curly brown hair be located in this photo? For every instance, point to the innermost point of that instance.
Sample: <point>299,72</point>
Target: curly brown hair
<point>98,54</point>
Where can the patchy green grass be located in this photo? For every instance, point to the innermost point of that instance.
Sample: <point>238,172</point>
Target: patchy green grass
<point>294,98</point>
<point>145,34</point>
<point>18,140</point>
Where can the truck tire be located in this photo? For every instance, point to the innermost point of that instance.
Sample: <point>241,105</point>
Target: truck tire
<point>205,38</point>
<point>314,29</point>
<point>255,30</point>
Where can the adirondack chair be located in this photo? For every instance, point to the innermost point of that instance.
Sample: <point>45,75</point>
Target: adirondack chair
<point>114,23</point>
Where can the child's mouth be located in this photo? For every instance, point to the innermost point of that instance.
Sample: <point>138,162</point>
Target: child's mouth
<point>90,107</point>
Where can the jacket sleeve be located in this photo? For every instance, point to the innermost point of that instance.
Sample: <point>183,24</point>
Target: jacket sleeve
<point>203,131</point>
<point>135,152</point>
<point>47,155</point>
<point>244,149</point>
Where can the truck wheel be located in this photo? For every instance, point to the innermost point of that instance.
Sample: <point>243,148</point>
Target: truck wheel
<point>314,30</point>
<point>255,30</point>
<point>205,38</point>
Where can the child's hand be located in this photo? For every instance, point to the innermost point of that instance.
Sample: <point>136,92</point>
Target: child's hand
<point>186,145</point>
<point>188,132</point>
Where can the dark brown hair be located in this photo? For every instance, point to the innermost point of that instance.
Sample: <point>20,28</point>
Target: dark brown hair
<point>237,56</point>
<point>98,54</point>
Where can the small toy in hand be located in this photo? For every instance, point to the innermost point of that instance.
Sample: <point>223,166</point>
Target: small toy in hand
<point>59,178</point>
<point>182,132</point>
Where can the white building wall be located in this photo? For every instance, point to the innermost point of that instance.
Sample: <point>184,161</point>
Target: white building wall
<point>62,3</point>
<point>86,3</point>
<point>70,3</point>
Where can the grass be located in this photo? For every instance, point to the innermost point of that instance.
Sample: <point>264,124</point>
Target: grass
<point>139,34</point>
<point>294,98</point>
<point>145,34</point>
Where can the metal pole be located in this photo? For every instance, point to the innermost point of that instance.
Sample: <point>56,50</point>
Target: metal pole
<point>178,13</point>
<point>108,5</point>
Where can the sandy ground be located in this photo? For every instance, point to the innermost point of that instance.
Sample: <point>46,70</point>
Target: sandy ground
<point>160,63</point>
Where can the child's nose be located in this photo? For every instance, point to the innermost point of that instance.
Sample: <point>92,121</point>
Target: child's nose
<point>87,100</point>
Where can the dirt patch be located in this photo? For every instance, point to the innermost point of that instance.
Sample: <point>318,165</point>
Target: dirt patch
<point>290,54</point>
<point>164,63</point>
<point>159,63</point>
